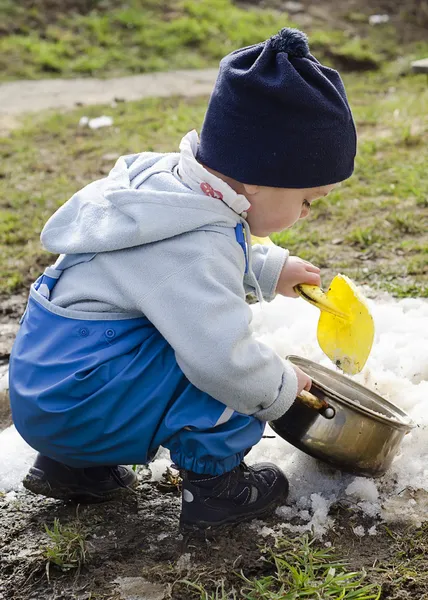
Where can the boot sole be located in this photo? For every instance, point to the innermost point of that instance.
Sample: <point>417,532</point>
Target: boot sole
<point>42,487</point>
<point>233,519</point>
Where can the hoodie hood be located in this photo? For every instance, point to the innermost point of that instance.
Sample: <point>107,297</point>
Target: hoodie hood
<point>141,201</point>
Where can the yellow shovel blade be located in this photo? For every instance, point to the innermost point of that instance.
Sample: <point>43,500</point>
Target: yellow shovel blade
<point>347,341</point>
<point>263,241</point>
<point>345,328</point>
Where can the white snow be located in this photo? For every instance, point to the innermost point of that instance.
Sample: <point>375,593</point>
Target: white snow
<point>397,369</point>
<point>159,466</point>
<point>16,457</point>
<point>4,378</point>
<point>97,122</point>
<point>267,531</point>
<point>363,489</point>
<point>359,531</point>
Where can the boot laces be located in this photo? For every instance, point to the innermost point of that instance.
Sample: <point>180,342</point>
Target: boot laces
<point>250,482</point>
<point>245,469</point>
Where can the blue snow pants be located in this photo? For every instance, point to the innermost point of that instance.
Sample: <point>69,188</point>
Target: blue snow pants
<point>88,390</point>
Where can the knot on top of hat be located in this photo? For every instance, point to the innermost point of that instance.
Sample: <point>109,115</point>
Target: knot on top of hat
<point>292,41</point>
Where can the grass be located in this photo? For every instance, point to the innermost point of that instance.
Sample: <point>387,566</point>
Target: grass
<point>50,157</point>
<point>348,51</point>
<point>67,547</point>
<point>51,38</point>
<point>110,38</point>
<point>406,575</point>
<point>298,569</point>
<point>373,227</point>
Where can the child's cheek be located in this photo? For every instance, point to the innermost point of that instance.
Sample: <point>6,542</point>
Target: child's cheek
<point>294,216</point>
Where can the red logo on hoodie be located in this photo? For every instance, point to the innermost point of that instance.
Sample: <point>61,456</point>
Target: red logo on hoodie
<point>209,191</point>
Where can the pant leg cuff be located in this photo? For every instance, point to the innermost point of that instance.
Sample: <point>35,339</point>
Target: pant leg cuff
<point>207,465</point>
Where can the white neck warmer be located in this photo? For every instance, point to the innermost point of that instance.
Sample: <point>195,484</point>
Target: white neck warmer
<point>197,178</point>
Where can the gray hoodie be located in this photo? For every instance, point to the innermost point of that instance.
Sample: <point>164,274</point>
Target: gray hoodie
<point>167,250</point>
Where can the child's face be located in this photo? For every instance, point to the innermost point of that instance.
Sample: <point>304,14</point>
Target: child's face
<point>275,209</point>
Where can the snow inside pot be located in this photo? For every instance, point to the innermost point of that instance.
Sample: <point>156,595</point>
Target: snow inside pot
<point>364,434</point>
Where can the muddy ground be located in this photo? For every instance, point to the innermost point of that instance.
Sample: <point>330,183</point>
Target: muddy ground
<point>139,538</point>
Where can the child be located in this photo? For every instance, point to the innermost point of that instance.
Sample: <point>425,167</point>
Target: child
<point>140,335</point>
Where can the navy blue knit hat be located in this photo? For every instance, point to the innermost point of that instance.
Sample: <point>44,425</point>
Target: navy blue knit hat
<point>279,118</point>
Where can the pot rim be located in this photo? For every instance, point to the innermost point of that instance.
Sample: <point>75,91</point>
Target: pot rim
<point>402,420</point>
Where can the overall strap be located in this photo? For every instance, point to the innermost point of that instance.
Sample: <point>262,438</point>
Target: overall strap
<point>46,282</point>
<point>237,233</point>
<point>240,238</point>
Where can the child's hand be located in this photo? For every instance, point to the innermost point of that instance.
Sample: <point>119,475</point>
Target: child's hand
<point>304,382</point>
<point>295,271</point>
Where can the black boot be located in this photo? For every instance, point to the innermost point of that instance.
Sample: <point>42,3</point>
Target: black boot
<point>240,495</point>
<point>95,484</point>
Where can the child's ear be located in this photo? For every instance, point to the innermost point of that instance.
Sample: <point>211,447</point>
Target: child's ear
<point>251,189</point>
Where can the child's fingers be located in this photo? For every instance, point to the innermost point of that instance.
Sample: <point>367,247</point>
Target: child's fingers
<point>308,385</point>
<point>309,266</point>
<point>312,278</point>
<point>313,269</point>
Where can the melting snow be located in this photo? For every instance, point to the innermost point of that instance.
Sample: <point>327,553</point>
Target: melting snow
<point>397,369</point>
<point>363,489</point>
<point>359,531</point>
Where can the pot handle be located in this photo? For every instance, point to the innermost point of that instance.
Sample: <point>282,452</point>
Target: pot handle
<point>315,403</point>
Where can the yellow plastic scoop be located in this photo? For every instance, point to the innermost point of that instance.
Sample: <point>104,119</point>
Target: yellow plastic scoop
<point>345,329</point>
<point>263,241</point>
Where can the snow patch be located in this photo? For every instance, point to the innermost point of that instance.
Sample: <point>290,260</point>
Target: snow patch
<point>160,464</point>
<point>397,370</point>
<point>359,531</point>
<point>4,378</point>
<point>363,489</point>
<point>16,457</point>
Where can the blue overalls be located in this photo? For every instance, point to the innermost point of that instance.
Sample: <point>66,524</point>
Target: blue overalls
<point>88,390</point>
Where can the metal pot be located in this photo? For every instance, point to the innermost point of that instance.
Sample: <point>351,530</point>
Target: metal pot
<point>362,437</point>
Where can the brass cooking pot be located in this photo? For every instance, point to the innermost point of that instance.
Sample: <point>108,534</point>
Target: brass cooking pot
<point>360,434</point>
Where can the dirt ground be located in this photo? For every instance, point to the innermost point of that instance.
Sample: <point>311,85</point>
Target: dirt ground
<point>139,539</point>
<point>17,97</point>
